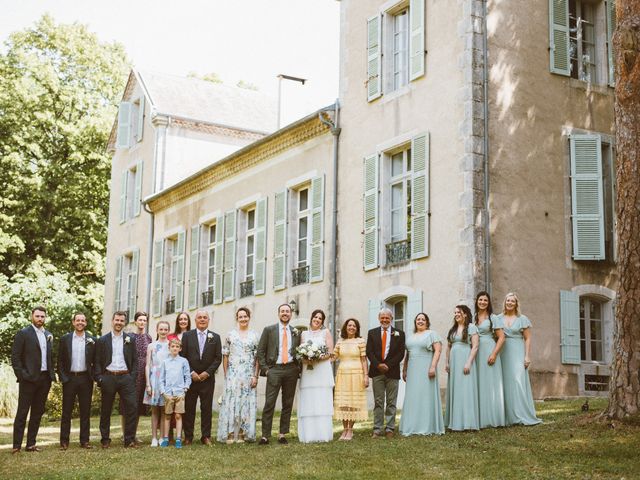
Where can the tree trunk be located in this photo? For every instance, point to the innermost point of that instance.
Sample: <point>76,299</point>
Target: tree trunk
<point>624,388</point>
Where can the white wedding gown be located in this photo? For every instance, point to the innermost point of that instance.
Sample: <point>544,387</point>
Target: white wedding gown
<point>315,401</point>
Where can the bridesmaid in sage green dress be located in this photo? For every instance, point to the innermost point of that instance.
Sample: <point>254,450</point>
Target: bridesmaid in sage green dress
<point>462,384</point>
<point>518,399</point>
<point>422,409</point>
<point>489,365</point>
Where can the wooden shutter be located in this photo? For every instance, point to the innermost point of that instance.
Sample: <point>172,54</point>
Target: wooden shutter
<point>158,263</point>
<point>123,138</point>
<point>570,327</point>
<point>194,262</point>
<point>611,27</point>
<point>316,269</point>
<point>280,241</point>
<point>374,57</point>
<point>587,209</point>
<point>229,277</point>
<point>374,309</point>
<point>123,195</point>
<point>416,40</point>
<point>140,120</point>
<point>219,261</point>
<point>118,284</point>
<point>559,37</point>
<point>180,273</point>
<point>133,276</point>
<point>370,247</point>
<point>420,196</point>
<point>259,279</point>
<point>137,194</point>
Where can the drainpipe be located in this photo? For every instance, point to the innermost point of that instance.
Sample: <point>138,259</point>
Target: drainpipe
<point>147,299</point>
<point>485,93</point>
<point>333,301</point>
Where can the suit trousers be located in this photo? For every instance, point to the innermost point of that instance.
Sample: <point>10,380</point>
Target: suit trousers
<point>203,391</point>
<point>283,377</point>
<point>125,386</point>
<point>384,389</point>
<point>31,396</point>
<point>80,386</point>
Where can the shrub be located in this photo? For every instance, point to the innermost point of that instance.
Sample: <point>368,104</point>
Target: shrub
<point>8,391</point>
<point>53,409</point>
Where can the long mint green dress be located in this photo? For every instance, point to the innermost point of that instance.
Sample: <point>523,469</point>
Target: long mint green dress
<point>462,390</point>
<point>518,399</point>
<point>490,389</point>
<point>422,409</point>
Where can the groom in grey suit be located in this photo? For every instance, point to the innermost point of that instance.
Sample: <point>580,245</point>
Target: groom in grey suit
<point>276,356</point>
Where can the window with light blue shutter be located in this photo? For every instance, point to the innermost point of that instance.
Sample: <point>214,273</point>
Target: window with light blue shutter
<point>420,196</point>
<point>280,241</point>
<point>317,230</point>
<point>228,281</point>
<point>374,309</point>
<point>587,208</point>
<point>259,280</point>
<point>158,263</point>
<point>414,307</point>
<point>570,327</point>
<point>132,288</point>
<point>219,261</point>
<point>559,58</point>
<point>180,263</point>
<point>370,212</point>
<point>137,193</point>
<point>416,42</point>
<point>123,139</point>
<point>374,57</point>
<point>611,27</point>
<point>118,284</point>
<point>140,119</point>
<point>194,260</point>
<point>124,181</point>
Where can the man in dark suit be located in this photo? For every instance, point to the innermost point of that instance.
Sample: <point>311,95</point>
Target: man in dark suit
<point>203,350</point>
<point>32,362</point>
<point>75,370</point>
<point>276,356</point>
<point>385,351</point>
<point>115,370</point>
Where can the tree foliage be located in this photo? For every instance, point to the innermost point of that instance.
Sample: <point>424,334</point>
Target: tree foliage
<point>59,89</point>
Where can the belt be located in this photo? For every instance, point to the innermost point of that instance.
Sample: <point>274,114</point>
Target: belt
<point>78,374</point>
<point>117,372</point>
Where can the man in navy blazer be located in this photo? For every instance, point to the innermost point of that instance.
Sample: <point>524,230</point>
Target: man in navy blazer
<point>203,350</point>
<point>115,370</point>
<point>75,370</point>
<point>32,362</point>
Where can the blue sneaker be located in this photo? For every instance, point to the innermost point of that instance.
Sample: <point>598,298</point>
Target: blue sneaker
<point>178,443</point>
<point>164,442</point>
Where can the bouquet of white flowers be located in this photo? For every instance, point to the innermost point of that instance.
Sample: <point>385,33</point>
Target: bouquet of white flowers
<point>311,352</point>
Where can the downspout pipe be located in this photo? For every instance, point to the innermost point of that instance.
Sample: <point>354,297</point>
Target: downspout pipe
<point>333,281</point>
<point>147,300</point>
<point>485,94</point>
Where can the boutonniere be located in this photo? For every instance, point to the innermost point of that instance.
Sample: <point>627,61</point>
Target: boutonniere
<point>295,331</point>
<point>209,337</point>
<point>396,333</point>
<point>89,341</point>
<point>49,338</point>
<point>127,339</point>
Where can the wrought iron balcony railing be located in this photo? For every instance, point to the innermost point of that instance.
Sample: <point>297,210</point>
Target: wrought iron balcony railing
<point>398,252</point>
<point>207,297</point>
<point>170,305</point>
<point>246,289</point>
<point>300,275</point>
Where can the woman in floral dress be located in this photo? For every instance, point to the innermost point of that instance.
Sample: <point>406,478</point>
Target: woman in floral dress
<point>237,419</point>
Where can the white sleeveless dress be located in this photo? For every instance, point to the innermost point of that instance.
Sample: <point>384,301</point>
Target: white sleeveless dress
<point>315,401</point>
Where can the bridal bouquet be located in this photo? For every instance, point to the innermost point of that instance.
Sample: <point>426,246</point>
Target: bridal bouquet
<point>310,352</point>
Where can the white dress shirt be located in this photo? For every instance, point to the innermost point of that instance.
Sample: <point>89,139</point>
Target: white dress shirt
<point>117,354</point>
<point>386,347</point>
<point>43,347</point>
<point>78,342</point>
<point>282,327</point>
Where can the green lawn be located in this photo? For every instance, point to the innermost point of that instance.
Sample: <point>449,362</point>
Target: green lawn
<point>570,444</point>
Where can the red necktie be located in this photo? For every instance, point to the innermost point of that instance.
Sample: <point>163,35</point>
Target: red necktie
<point>384,343</point>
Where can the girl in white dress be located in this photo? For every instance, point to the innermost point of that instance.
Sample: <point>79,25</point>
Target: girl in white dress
<point>315,402</point>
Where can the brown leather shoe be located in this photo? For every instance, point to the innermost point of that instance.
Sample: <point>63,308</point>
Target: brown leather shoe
<point>206,441</point>
<point>15,450</point>
<point>376,435</point>
<point>187,442</point>
<point>106,444</point>
<point>64,446</point>
<point>132,445</point>
<point>33,448</point>
<point>86,445</point>
<point>389,434</point>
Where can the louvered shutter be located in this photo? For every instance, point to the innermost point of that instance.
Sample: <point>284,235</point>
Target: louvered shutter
<point>229,274</point>
<point>133,278</point>
<point>180,271</point>
<point>261,247</point>
<point>316,269</point>
<point>559,37</point>
<point>416,41</point>
<point>374,309</point>
<point>370,207</point>
<point>137,194</point>
<point>140,120</point>
<point>570,327</point>
<point>124,179</point>
<point>118,284</point>
<point>194,262</point>
<point>123,139</point>
<point>587,209</point>
<point>158,263</point>
<point>280,241</point>
<point>374,57</point>
<point>414,307</point>
<point>611,27</point>
<point>219,261</point>
<point>420,196</point>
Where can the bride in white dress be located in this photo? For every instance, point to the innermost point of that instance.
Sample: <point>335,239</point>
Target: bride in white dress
<point>315,402</point>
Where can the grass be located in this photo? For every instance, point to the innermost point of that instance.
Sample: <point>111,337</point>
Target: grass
<point>569,444</point>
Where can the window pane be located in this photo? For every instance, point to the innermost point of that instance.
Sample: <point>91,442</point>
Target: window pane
<point>302,251</point>
<point>583,350</point>
<point>596,351</point>
<point>303,203</point>
<point>212,234</point>
<point>396,164</point>
<point>594,310</point>
<point>397,195</point>
<point>408,153</point>
<point>596,330</point>
<point>251,219</point>
<point>250,245</point>
<point>302,227</point>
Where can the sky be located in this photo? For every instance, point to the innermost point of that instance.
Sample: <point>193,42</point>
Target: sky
<point>250,40</point>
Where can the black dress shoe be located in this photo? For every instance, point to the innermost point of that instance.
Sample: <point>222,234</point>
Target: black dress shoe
<point>64,446</point>
<point>187,442</point>
<point>283,440</point>
<point>106,443</point>
<point>263,441</point>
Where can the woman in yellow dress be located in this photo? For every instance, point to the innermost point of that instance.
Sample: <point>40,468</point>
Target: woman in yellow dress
<point>350,399</point>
